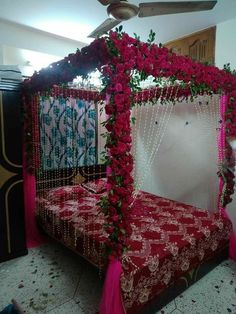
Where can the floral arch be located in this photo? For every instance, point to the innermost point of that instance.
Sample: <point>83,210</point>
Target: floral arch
<point>123,62</point>
<point>117,56</point>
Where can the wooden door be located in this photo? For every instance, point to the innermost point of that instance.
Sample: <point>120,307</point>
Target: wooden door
<point>199,46</point>
<point>12,224</point>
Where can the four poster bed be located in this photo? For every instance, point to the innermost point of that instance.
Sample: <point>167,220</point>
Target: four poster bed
<point>151,247</point>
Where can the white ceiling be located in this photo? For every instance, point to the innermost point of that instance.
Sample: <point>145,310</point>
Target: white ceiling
<point>75,19</point>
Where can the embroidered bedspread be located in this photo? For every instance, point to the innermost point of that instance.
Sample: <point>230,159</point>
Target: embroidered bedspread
<point>168,239</point>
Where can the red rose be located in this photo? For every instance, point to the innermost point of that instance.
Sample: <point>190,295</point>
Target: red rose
<point>115,218</point>
<point>112,210</point>
<point>113,199</point>
<point>110,229</point>
<point>118,87</point>
<point>109,109</point>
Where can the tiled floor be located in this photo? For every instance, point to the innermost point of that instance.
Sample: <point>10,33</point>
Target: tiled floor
<point>53,280</point>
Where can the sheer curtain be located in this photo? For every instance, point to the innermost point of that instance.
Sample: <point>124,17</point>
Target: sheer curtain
<point>67,132</point>
<point>68,139</point>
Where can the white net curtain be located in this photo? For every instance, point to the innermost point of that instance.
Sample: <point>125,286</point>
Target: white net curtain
<point>175,149</point>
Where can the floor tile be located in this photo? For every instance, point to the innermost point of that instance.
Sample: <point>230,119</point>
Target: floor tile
<point>89,290</point>
<point>45,278</point>
<point>214,293</point>
<point>176,311</point>
<point>51,279</point>
<point>69,307</point>
<point>169,308</point>
<point>230,264</point>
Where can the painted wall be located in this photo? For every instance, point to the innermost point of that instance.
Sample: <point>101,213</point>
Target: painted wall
<point>1,54</point>
<point>184,163</point>
<point>225,51</point>
<point>27,61</point>
<point>28,38</point>
<point>31,49</point>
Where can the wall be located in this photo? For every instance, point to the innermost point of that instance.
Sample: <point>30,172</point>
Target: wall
<point>28,38</point>
<point>31,49</point>
<point>226,44</point>
<point>27,61</point>
<point>1,54</point>
<point>185,165</point>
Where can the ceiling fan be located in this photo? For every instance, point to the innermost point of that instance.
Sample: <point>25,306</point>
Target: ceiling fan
<point>122,10</point>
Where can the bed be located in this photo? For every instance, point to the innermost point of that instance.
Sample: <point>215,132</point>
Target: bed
<point>171,244</point>
<point>169,239</point>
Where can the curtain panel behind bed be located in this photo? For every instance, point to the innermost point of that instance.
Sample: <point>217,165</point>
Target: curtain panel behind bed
<point>67,132</point>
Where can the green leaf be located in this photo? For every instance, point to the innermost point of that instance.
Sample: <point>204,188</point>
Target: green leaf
<point>119,180</point>
<point>136,36</point>
<point>133,119</point>
<point>151,37</point>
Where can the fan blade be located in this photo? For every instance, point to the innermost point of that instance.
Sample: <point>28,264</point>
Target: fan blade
<point>104,2</point>
<point>104,27</point>
<point>161,8</point>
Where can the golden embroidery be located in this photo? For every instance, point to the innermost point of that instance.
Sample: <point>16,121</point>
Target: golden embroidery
<point>185,265</point>
<point>167,277</point>
<point>127,284</point>
<point>153,263</point>
<point>143,296</point>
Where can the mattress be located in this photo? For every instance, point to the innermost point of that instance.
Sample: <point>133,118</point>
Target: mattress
<point>168,239</point>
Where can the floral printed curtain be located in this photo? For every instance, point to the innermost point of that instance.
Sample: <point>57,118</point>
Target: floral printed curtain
<point>67,132</point>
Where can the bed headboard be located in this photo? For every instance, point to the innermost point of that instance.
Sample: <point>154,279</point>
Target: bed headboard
<point>69,176</point>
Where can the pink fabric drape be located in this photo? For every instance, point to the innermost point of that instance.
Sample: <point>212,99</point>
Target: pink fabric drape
<point>33,237</point>
<point>232,246</point>
<point>221,147</point>
<point>111,302</point>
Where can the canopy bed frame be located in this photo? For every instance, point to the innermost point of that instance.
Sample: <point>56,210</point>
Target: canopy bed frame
<point>152,244</point>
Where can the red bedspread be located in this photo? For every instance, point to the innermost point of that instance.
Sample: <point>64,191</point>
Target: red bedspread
<point>168,238</point>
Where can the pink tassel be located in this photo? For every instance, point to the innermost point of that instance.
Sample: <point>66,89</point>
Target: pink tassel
<point>232,247</point>
<point>111,302</point>
<point>33,237</point>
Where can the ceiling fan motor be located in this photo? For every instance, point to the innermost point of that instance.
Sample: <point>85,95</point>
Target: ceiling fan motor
<point>122,11</point>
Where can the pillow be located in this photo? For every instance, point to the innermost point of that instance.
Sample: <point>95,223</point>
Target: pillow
<point>96,186</point>
<point>67,192</point>
<point>78,179</point>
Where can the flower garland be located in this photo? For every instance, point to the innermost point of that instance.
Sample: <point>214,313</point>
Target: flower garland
<point>117,56</point>
<point>119,159</point>
<point>80,63</point>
